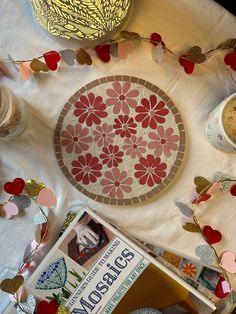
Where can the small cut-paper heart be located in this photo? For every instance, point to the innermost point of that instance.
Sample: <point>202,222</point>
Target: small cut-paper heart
<point>230,59</point>
<point>41,217</point>
<point>129,35</point>
<point>189,225</point>
<point>83,57</point>
<point>33,188</point>
<point>25,71</point>
<point>52,58</point>
<point>15,187</point>
<point>206,254</point>
<point>186,64</point>
<point>212,236</point>
<point>28,306</point>
<point>195,55</point>
<point>228,262</point>
<point>103,52</point>
<point>157,53</point>
<point>220,290</point>
<point>46,198</point>
<point>124,48</point>
<point>233,190</point>
<point>12,285</point>
<point>10,209</point>
<point>44,307</point>
<point>185,210</point>
<point>37,66</point>
<point>218,176</point>
<point>22,201</point>
<point>68,56</point>
<point>202,184</point>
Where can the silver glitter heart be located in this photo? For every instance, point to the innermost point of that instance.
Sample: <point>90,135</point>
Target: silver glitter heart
<point>28,306</point>
<point>224,186</point>
<point>22,201</point>
<point>206,254</point>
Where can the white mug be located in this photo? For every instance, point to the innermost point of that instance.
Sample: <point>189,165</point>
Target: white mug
<point>215,127</point>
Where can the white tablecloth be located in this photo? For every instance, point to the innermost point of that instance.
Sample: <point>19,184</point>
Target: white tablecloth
<point>182,24</point>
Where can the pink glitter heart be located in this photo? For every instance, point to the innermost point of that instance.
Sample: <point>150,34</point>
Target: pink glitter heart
<point>10,209</point>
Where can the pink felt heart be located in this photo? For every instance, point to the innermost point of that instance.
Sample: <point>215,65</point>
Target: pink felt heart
<point>10,209</point>
<point>52,58</point>
<point>25,71</point>
<point>124,48</point>
<point>46,198</point>
<point>227,262</point>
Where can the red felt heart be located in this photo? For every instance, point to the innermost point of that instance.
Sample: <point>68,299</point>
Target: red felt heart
<point>52,58</point>
<point>188,65</point>
<point>230,59</point>
<point>44,307</point>
<point>233,190</point>
<point>202,198</point>
<point>15,187</point>
<point>155,38</point>
<point>219,289</point>
<point>103,52</point>
<point>212,236</point>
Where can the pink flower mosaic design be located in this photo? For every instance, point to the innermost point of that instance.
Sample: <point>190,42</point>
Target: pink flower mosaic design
<point>119,139</point>
<point>116,183</point>
<point>122,97</point>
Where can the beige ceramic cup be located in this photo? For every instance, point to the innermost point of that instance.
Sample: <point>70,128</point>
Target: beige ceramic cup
<point>220,126</point>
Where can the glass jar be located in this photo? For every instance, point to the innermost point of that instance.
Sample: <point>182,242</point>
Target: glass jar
<point>13,114</point>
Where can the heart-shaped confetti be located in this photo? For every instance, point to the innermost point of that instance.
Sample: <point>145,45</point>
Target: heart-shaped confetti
<point>22,201</point>
<point>62,310</point>
<point>230,59</point>
<point>83,57</point>
<point>12,285</point>
<point>217,176</point>
<point>195,55</point>
<point>20,295</point>
<point>124,48</point>
<point>47,307</point>
<point>129,35</point>
<point>189,225</point>
<point>185,210</point>
<point>202,198</point>
<point>103,52</point>
<point>51,59</point>
<point>37,66</point>
<point>68,56</point>
<point>46,198</point>
<point>28,306</point>
<point>222,289</point>
<point>114,49</point>
<point>41,217</point>
<point>228,262</point>
<point>206,254</point>
<point>155,38</point>
<point>188,65</point>
<point>157,53</point>
<point>233,190</point>
<point>229,43</point>
<point>212,236</point>
<point>10,209</point>
<point>202,184</point>
<point>25,71</point>
<point>33,188</point>
<point>15,187</point>
<point>214,188</point>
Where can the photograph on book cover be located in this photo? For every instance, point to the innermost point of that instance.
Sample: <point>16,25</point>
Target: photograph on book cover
<point>86,241</point>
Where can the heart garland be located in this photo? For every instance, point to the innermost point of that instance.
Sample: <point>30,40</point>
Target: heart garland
<point>120,48</point>
<point>207,253</point>
<point>22,193</point>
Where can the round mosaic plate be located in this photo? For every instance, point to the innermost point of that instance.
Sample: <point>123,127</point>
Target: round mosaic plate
<point>119,140</point>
